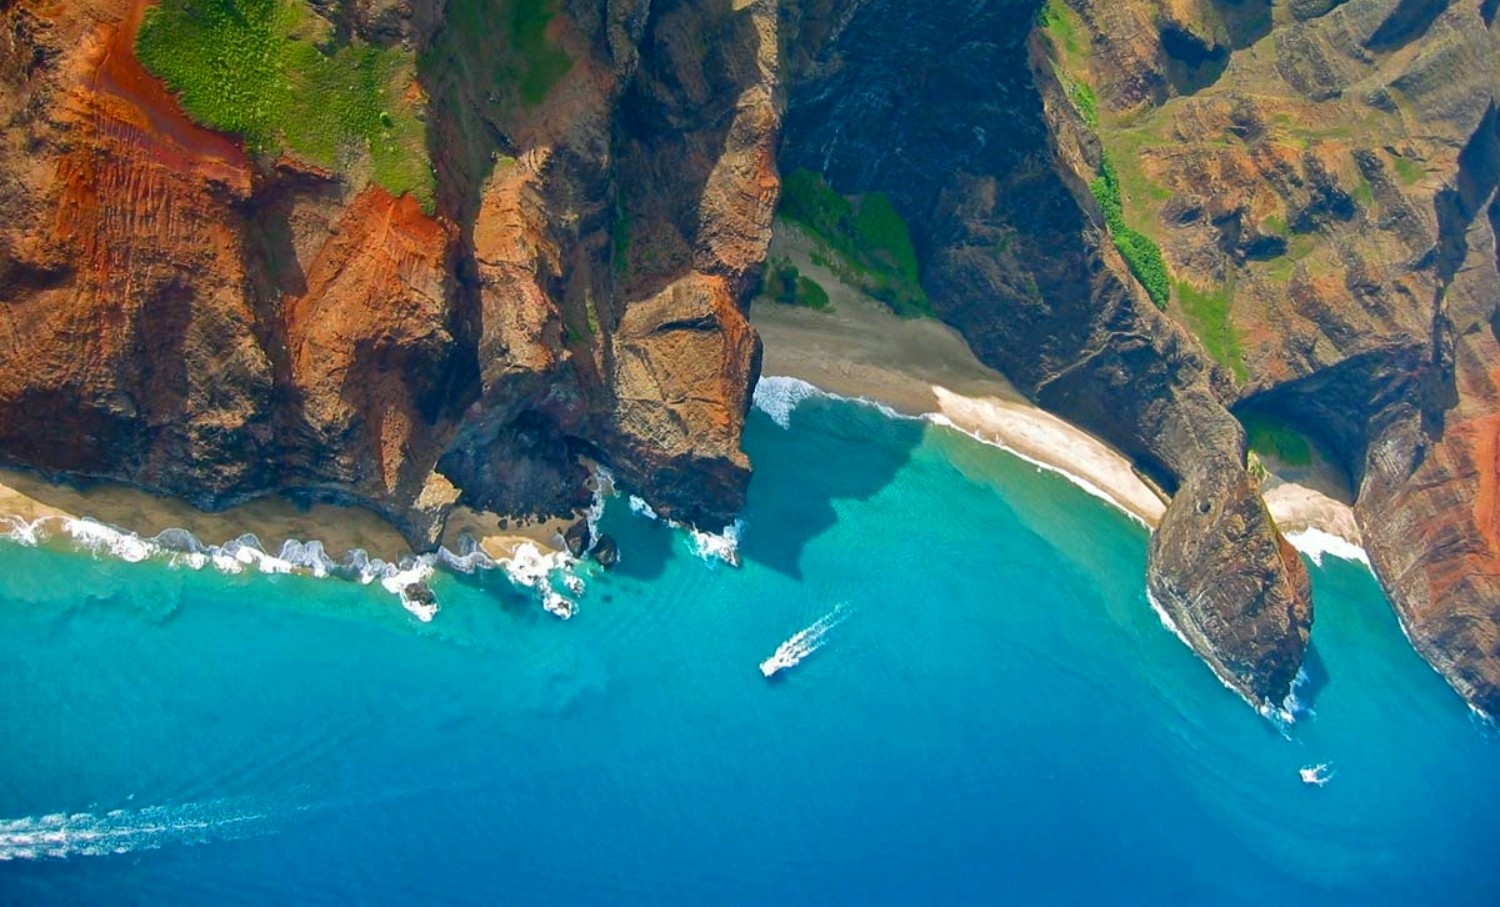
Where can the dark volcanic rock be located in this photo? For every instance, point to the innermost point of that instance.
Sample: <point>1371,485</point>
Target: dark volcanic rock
<point>1374,154</point>
<point>1015,258</point>
<point>606,551</point>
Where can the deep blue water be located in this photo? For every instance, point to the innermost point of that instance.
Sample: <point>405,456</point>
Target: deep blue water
<point>1000,718</point>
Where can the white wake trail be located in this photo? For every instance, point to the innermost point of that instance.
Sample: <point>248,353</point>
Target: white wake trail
<point>61,835</point>
<point>804,643</point>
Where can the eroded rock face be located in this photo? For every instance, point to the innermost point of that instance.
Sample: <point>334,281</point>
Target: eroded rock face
<point>178,314</point>
<point>1337,179</point>
<point>1015,257</point>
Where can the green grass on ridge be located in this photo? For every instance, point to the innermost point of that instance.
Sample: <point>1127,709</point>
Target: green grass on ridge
<point>267,70</point>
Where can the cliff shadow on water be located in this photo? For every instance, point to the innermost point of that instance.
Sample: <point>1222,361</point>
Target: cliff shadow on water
<point>830,452</point>
<point>821,453</point>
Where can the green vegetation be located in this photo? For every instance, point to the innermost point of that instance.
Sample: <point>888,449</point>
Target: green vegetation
<point>524,64</point>
<point>811,294</point>
<point>268,70</point>
<point>619,242</point>
<point>1270,438</point>
<point>1087,103</point>
<point>1209,313</point>
<point>1140,251</point>
<point>784,284</point>
<point>1408,171</point>
<point>1275,225</point>
<point>867,235</point>
<point>542,65</point>
<point>1059,22</point>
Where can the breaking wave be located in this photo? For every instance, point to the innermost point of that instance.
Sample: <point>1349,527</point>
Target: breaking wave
<point>804,643</point>
<point>779,396</point>
<point>1282,716</point>
<point>1315,543</point>
<point>528,566</point>
<point>709,547</point>
<point>62,835</point>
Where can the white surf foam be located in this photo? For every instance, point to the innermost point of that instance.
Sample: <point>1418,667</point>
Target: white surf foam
<point>639,507</point>
<point>1315,543</point>
<point>530,567</point>
<point>26,533</point>
<point>1316,775</point>
<point>803,643</point>
<point>179,548</point>
<point>778,396</point>
<point>723,546</point>
<point>709,547</point>
<point>603,482</point>
<point>61,835</point>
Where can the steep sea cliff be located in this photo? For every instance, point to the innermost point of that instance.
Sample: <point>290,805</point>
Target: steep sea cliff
<point>998,714</point>
<point>445,254</point>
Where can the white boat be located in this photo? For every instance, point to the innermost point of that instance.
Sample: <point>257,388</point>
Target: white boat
<point>1316,775</point>
<point>805,642</point>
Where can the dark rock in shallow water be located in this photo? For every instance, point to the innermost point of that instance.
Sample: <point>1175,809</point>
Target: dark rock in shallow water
<point>606,552</point>
<point>1014,255</point>
<point>578,537</point>
<point>419,593</point>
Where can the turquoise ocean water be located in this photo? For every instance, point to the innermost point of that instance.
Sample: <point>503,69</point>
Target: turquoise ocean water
<point>996,717</point>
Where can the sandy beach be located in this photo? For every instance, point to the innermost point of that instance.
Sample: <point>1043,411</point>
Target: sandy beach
<point>274,519</point>
<point>857,348</point>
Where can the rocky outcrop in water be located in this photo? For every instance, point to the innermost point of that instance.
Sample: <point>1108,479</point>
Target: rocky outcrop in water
<point>556,272</point>
<point>1321,176</point>
<point>1015,256</point>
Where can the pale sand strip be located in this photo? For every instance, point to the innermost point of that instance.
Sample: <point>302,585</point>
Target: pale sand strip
<point>859,349</point>
<point>272,519</point>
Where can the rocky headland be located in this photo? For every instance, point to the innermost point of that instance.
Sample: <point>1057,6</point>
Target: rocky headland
<point>445,253</point>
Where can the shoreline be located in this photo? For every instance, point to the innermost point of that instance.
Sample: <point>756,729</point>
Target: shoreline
<point>114,514</point>
<point>859,350</point>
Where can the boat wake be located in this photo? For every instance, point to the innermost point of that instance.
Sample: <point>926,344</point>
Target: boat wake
<point>61,835</point>
<point>807,641</point>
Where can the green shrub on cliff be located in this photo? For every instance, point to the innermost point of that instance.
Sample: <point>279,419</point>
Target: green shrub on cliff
<point>1086,101</point>
<point>810,294</point>
<point>868,236</point>
<point>1141,253</point>
<point>501,48</point>
<point>266,70</point>
<point>783,283</point>
<point>1271,438</point>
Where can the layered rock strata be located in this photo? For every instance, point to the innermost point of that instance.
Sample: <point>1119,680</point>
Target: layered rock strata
<point>218,322</point>
<point>215,324</point>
